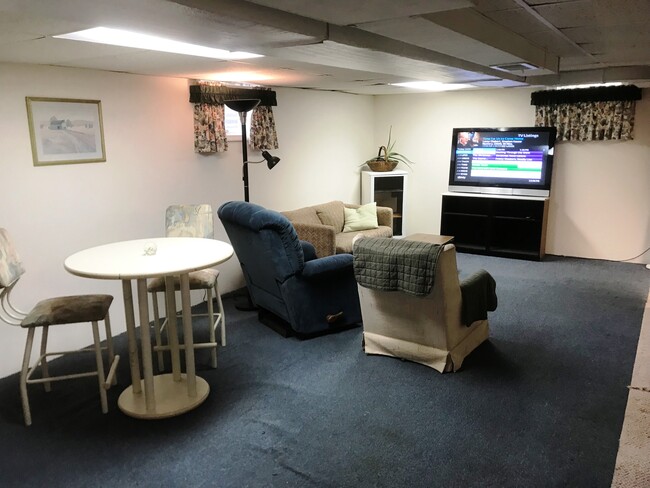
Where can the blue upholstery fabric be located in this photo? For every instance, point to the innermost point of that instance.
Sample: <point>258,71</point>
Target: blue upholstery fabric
<point>308,250</point>
<point>283,274</point>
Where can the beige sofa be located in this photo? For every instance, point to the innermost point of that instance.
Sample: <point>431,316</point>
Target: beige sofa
<point>322,226</point>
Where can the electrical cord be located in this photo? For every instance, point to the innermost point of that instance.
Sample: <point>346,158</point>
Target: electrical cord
<point>635,257</point>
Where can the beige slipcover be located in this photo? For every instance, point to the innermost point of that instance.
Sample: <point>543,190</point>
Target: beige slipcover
<point>426,330</point>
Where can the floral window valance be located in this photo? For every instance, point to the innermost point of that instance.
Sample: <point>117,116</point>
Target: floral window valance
<point>588,114</point>
<point>209,126</point>
<point>216,94</point>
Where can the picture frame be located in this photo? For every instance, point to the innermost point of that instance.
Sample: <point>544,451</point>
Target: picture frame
<point>65,130</point>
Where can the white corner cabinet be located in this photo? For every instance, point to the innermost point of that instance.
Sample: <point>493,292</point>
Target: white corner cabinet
<point>388,189</point>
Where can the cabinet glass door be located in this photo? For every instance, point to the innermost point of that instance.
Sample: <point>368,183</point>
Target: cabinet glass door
<point>389,192</point>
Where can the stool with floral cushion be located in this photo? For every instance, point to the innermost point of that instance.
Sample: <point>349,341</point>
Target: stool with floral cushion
<point>54,311</point>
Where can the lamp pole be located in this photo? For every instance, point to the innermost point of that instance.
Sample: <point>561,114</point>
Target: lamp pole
<point>243,106</point>
<point>244,151</point>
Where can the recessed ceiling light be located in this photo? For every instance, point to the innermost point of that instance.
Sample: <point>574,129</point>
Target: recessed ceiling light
<point>118,37</point>
<point>432,86</point>
<point>514,67</point>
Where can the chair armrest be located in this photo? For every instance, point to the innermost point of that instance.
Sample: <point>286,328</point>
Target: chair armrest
<point>479,297</point>
<point>322,237</point>
<point>308,250</point>
<point>322,267</point>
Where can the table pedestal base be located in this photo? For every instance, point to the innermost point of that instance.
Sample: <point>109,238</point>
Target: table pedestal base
<point>171,398</point>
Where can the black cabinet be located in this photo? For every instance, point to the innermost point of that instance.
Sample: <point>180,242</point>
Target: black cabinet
<point>499,226</point>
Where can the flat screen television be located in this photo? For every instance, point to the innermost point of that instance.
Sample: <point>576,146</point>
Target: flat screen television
<point>503,161</point>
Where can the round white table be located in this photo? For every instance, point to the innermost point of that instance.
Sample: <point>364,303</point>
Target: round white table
<point>163,395</point>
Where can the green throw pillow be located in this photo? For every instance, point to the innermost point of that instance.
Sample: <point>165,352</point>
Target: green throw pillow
<point>362,218</point>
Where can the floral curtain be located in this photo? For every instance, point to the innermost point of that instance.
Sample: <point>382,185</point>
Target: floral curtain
<point>209,118</point>
<point>589,121</point>
<point>597,113</point>
<point>209,128</point>
<point>263,134</point>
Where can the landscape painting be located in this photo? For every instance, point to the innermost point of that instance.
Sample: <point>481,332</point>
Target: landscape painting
<point>65,131</point>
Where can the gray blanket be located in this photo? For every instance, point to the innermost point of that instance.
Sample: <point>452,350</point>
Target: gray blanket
<point>479,297</point>
<point>396,264</point>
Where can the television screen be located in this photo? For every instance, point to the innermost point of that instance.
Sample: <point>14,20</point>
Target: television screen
<point>510,161</point>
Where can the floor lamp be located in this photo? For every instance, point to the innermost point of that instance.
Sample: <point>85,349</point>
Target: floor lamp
<point>244,106</point>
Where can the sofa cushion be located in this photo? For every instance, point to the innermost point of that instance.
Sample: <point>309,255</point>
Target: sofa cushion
<point>331,213</point>
<point>362,218</point>
<point>344,239</point>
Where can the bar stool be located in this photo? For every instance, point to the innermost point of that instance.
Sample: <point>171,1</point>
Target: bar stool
<point>191,221</point>
<point>54,311</point>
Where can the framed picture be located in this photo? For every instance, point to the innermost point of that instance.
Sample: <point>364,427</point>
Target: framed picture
<point>65,131</point>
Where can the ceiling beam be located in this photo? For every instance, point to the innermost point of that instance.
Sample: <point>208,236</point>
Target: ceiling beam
<point>258,14</point>
<point>353,36</point>
<point>471,23</point>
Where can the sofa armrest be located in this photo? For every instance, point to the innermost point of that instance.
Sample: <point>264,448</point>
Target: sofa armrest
<point>322,237</point>
<point>319,268</point>
<point>385,216</point>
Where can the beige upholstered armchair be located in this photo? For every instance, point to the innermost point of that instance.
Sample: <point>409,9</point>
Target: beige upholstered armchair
<point>438,329</point>
<point>322,226</point>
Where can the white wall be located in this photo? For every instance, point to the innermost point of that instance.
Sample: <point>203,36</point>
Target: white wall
<point>54,211</point>
<point>600,205</point>
<point>324,137</point>
<point>600,196</point>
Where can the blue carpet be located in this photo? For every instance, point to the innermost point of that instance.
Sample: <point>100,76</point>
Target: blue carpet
<point>540,404</point>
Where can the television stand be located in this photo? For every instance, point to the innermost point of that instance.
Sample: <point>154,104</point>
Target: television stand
<point>496,225</point>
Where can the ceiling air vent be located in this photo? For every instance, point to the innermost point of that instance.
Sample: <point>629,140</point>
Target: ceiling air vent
<point>515,67</point>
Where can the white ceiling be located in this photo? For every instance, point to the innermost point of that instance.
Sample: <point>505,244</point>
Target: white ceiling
<point>356,46</point>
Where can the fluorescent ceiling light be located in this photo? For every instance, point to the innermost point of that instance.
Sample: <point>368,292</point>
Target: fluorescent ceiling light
<point>241,76</point>
<point>433,86</point>
<point>118,37</point>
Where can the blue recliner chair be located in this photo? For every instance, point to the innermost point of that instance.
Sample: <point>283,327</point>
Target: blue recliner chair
<point>283,274</point>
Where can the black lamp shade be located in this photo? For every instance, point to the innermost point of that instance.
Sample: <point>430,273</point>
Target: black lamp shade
<point>243,105</point>
<point>270,160</point>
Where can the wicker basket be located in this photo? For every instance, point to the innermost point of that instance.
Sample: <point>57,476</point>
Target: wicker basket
<point>379,164</point>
